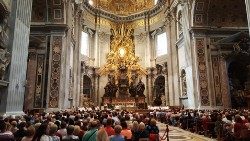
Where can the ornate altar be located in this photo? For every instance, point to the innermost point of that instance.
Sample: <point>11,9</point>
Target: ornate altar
<point>123,69</point>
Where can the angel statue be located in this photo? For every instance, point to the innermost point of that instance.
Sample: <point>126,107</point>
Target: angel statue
<point>4,62</point>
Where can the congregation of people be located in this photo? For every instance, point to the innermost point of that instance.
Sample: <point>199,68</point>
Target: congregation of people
<point>223,125</point>
<point>118,125</point>
<point>93,125</point>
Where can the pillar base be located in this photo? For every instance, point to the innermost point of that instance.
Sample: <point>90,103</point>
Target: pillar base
<point>15,113</point>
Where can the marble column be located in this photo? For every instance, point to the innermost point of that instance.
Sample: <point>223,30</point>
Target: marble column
<point>225,92</point>
<point>248,13</point>
<point>19,40</point>
<point>172,64</point>
<point>202,73</point>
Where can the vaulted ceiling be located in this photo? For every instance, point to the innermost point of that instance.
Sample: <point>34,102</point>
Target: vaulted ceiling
<point>124,10</point>
<point>123,7</point>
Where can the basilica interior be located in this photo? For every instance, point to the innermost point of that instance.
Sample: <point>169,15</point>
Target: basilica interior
<point>134,54</point>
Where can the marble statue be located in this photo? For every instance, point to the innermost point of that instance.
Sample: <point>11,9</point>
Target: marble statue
<point>4,33</point>
<point>132,89</point>
<point>123,82</point>
<point>4,54</point>
<point>4,62</point>
<point>110,89</point>
<point>140,87</point>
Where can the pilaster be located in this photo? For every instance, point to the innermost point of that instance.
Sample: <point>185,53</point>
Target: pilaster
<point>248,13</point>
<point>202,73</point>
<point>19,41</point>
<point>55,73</point>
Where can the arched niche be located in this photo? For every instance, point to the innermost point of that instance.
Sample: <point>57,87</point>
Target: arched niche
<point>87,86</point>
<point>179,22</point>
<point>159,90</point>
<point>238,76</point>
<point>183,83</point>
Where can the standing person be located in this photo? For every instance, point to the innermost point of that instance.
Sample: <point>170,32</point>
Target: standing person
<point>238,128</point>
<point>78,132</point>
<point>30,133</point>
<point>153,130</point>
<point>92,133</point>
<point>70,136</point>
<point>102,135</point>
<point>42,133</point>
<point>52,133</point>
<point>141,133</point>
<point>62,131</point>
<point>21,132</point>
<point>109,129</point>
<point>117,136</point>
<point>3,136</point>
<point>14,126</point>
<point>135,127</point>
<point>125,131</point>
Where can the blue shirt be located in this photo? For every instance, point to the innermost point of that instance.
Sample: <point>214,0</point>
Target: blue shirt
<point>117,138</point>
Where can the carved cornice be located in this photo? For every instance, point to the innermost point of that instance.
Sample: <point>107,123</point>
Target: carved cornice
<point>205,30</point>
<point>3,83</point>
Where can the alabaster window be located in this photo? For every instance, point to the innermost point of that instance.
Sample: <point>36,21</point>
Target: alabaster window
<point>161,44</point>
<point>85,44</point>
<point>156,2</point>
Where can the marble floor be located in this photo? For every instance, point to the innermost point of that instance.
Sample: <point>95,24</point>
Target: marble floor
<point>177,134</point>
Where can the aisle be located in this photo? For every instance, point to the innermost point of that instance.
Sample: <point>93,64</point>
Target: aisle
<point>177,134</point>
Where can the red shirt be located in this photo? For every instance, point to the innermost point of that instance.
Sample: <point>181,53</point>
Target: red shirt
<point>110,131</point>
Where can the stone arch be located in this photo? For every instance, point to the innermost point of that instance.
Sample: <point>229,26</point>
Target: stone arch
<point>159,89</point>
<point>239,77</point>
<point>87,86</point>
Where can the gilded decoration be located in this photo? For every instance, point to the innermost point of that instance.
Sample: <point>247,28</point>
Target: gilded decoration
<point>55,72</point>
<point>122,52</point>
<point>123,7</point>
<point>122,65</point>
<point>201,58</point>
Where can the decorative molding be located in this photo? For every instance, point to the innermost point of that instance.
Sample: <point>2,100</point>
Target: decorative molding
<point>55,72</point>
<point>3,83</point>
<point>202,69</point>
<point>38,97</point>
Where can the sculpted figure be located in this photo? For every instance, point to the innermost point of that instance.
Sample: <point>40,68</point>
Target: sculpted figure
<point>110,89</point>
<point>4,33</point>
<point>140,88</point>
<point>132,89</point>
<point>4,54</point>
<point>4,62</point>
